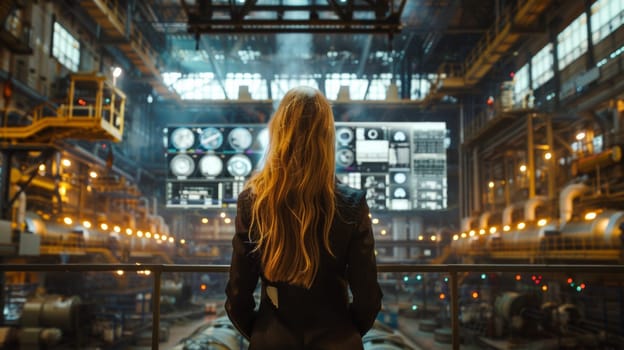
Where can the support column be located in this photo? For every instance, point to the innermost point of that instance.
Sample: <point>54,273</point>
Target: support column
<point>415,229</point>
<point>400,229</point>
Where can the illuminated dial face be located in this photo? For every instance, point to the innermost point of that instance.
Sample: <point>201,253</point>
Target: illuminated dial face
<point>263,138</point>
<point>240,139</point>
<point>399,136</point>
<point>182,165</point>
<point>399,178</point>
<point>211,138</point>
<point>399,193</point>
<point>344,136</point>
<point>210,165</point>
<point>239,165</point>
<point>182,138</point>
<point>344,157</point>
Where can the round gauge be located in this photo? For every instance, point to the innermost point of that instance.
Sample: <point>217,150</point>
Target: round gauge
<point>210,165</point>
<point>263,138</point>
<point>399,193</point>
<point>211,138</point>
<point>399,136</point>
<point>182,138</point>
<point>399,178</point>
<point>344,157</point>
<point>372,134</point>
<point>182,165</point>
<point>239,165</point>
<point>344,136</point>
<point>240,139</point>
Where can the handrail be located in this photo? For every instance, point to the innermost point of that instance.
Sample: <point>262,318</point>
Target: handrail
<point>452,269</point>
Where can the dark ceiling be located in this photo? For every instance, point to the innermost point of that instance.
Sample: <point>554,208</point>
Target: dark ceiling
<point>269,37</point>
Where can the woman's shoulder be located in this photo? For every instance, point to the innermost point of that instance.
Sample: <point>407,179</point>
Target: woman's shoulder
<point>348,195</point>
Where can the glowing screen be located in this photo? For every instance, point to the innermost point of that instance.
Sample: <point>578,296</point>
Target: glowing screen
<point>402,166</point>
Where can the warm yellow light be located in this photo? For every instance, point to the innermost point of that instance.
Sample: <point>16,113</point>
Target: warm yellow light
<point>120,272</point>
<point>86,224</point>
<point>493,229</point>
<point>222,214</point>
<point>464,235</point>
<point>42,167</point>
<point>544,288</point>
<point>182,241</point>
<point>375,221</point>
<point>67,220</point>
<point>171,240</point>
<point>93,174</point>
<point>156,236</point>
<point>547,155</point>
<point>523,168</point>
<point>62,190</point>
<point>580,135</point>
<point>590,215</point>
<point>433,237</point>
<point>383,232</point>
<point>148,234</point>
<point>491,184</point>
<point>104,226</point>
<point>542,222</point>
<point>128,231</point>
<point>521,226</point>
<point>421,237</point>
<point>482,231</point>
<point>116,228</point>
<point>506,228</point>
<point>204,220</point>
<point>139,233</point>
<point>66,162</point>
<point>455,237</point>
<point>163,237</point>
<point>471,233</point>
<point>227,220</point>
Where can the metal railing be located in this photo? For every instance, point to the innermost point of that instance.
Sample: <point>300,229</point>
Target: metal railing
<point>454,271</point>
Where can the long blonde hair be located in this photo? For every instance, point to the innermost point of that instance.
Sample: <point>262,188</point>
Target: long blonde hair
<point>294,192</point>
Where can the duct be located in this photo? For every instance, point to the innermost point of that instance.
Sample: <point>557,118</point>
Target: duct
<point>483,219</point>
<point>530,206</point>
<point>566,197</point>
<point>466,223</point>
<point>507,214</point>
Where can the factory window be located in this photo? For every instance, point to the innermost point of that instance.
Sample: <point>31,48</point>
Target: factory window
<point>572,41</point>
<point>257,86</point>
<point>542,66</point>
<point>606,17</point>
<point>65,48</point>
<point>281,84</point>
<point>421,84</point>
<point>333,82</point>
<point>379,85</point>
<point>521,85</point>
<point>195,86</point>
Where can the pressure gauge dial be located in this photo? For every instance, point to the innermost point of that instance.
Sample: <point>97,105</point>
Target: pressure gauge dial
<point>182,165</point>
<point>211,138</point>
<point>210,165</point>
<point>239,165</point>
<point>344,157</point>
<point>182,138</point>
<point>240,139</point>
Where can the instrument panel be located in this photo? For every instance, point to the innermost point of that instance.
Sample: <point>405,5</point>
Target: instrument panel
<point>401,166</point>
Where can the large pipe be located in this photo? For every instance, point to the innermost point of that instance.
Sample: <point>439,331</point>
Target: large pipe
<point>466,222</point>
<point>566,197</point>
<point>530,205</point>
<point>507,214</point>
<point>483,219</point>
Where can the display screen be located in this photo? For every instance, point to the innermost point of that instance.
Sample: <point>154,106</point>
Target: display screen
<point>402,166</point>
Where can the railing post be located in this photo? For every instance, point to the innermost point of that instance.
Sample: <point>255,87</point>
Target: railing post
<point>156,309</point>
<point>454,310</point>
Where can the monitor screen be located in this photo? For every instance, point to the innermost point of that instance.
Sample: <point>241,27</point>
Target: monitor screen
<point>401,166</point>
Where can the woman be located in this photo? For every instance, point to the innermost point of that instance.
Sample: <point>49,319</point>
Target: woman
<point>308,238</point>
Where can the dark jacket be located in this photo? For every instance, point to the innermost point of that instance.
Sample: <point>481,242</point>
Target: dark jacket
<point>322,317</point>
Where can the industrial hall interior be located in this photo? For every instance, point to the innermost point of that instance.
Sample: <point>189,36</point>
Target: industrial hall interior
<point>487,136</point>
